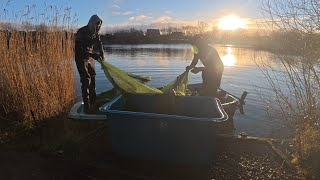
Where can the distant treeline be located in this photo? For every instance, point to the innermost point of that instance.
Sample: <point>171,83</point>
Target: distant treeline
<point>289,42</point>
<point>277,41</point>
<point>140,39</point>
<point>134,36</point>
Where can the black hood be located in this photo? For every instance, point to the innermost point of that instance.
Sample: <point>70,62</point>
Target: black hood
<point>94,25</point>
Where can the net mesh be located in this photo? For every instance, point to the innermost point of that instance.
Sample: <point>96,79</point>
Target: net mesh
<point>179,85</point>
<point>128,83</point>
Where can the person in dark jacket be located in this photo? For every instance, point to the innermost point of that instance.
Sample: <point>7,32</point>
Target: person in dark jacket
<point>213,66</point>
<point>86,39</point>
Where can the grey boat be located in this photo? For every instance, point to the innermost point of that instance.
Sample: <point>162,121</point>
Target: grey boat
<point>165,127</point>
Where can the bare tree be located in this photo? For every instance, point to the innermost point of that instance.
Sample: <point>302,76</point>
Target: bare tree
<point>296,82</point>
<point>6,26</point>
<point>299,15</point>
<point>27,26</point>
<point>202,27</point>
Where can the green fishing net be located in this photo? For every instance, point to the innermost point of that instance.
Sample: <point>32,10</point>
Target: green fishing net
<point>179,85</point>
<point>128,83</point>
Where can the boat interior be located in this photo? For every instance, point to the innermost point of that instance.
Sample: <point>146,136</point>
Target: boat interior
<point>190,106</point>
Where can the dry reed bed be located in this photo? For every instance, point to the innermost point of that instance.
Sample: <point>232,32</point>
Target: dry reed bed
<point>36,74</point>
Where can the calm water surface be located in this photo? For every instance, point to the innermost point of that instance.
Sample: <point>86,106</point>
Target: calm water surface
<point>165,62</point>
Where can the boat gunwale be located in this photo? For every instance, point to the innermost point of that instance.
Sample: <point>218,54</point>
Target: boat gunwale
<point>234,101</point>
<point>106,108</point>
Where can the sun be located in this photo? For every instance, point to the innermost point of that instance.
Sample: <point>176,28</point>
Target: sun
<point>232,22</point>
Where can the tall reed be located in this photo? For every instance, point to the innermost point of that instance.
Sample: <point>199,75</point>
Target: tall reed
<point>36,68</point>
<point>36,73</point>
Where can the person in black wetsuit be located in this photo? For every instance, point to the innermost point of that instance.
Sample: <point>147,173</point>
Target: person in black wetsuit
<point>213,66</point>
<point>86,39</point>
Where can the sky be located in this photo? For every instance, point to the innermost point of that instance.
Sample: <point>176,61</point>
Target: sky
<point>124,13</point>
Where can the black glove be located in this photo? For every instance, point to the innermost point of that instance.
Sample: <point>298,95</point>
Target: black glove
<point>195,70</point>
<point>101,57</point>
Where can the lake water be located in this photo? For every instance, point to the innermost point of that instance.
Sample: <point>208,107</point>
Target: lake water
<point>165,62</point>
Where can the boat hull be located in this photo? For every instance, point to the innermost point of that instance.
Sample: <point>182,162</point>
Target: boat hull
<point>76,112</point>
<point>167,137</point>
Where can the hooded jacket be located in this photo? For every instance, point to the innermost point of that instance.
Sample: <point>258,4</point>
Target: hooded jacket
<point>87,37</point>
<point>209,57</point>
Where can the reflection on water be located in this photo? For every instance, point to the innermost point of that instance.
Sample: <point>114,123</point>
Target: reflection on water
<point>228,59</point>
<point>152,55</point>
<point>165,62</point>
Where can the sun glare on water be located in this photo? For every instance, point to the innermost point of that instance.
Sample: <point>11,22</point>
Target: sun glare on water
<point>229,59</point>
<point>232,23</point>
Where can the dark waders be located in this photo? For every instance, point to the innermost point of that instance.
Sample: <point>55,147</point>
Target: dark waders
<point>211,78</point>
<point>87,72</point>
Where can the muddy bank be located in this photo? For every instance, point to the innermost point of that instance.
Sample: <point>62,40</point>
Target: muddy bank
<point>92,158</point>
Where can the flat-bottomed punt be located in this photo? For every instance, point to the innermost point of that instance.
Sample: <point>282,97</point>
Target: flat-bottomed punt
<point>229,102</point>
<point>163,127</point>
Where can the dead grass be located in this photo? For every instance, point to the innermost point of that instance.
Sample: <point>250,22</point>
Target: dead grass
<point>37,76</point>
<point>36,66</point>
